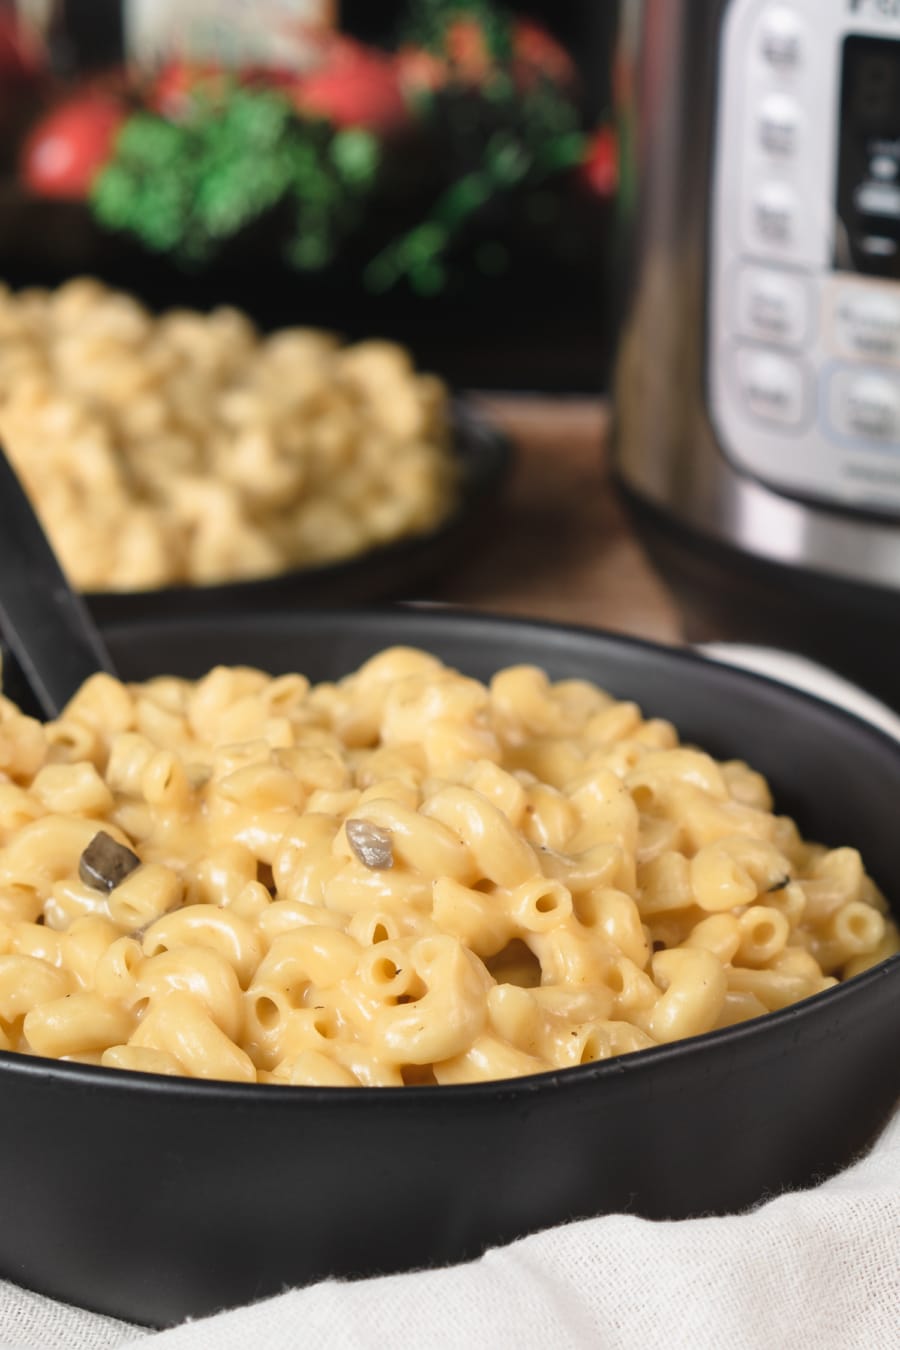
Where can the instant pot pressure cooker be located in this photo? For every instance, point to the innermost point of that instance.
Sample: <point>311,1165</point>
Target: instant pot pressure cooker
<point>758,382</point>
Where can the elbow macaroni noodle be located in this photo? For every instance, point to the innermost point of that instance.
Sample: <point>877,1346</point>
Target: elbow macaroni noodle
<point>186,448</point>
<point>535,877</point>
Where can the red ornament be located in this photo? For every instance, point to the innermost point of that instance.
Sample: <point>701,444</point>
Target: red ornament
<point>355,86</point>
<point>64,152</point>
<point>420,71</point>
<point>599,169</point>
<point>177,84</point>
<point>537,55</point>
<point>467,50</point>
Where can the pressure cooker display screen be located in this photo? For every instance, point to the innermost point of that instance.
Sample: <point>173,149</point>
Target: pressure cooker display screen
<point>868,236</point>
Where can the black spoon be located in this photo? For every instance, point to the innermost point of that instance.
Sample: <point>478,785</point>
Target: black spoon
<point>45,624</point>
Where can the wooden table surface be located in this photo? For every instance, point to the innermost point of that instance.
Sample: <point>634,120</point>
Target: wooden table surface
<point>562,547</point>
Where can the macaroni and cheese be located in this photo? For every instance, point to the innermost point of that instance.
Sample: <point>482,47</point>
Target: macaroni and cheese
<point>186,448</point>
<point>404,877</point>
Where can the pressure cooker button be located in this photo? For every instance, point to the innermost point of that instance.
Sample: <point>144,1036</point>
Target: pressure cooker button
<point>866,405</point>
<point>774,216</point>
<point>773,305</point>
<point>779,125</point>
<point>781,38</point>
<point>868,324</point>
<point>772,386</point>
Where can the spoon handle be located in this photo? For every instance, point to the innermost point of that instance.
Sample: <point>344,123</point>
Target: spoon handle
<point>46,625</point>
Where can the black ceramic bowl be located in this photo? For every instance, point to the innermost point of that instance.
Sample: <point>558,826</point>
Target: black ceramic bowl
<point>389,571</point>
<point>154,1198</point>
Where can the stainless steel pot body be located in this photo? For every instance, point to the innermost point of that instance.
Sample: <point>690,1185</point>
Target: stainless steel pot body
<point>669,454</point>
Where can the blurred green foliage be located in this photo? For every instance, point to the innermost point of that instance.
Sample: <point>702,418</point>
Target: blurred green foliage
<point>187,187</point>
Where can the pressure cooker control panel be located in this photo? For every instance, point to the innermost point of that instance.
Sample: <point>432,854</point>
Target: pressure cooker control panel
<point>803,353</point>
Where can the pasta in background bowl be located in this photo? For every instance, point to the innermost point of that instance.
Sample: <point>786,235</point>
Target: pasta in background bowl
<point>421,904</point>
<point>185,455</point>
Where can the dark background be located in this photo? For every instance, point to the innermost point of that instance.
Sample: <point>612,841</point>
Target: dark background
<point>546,324</point>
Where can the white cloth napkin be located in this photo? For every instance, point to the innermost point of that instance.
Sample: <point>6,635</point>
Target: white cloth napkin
<point>814,1270</point>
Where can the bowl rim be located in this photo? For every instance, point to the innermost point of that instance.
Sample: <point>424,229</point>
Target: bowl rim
<point>366,615</point>
<point>521,1089</point>
<point>574,1078</point>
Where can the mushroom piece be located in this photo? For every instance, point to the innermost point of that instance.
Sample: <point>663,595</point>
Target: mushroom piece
<point>105,862</point>
<point>372,845</point>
